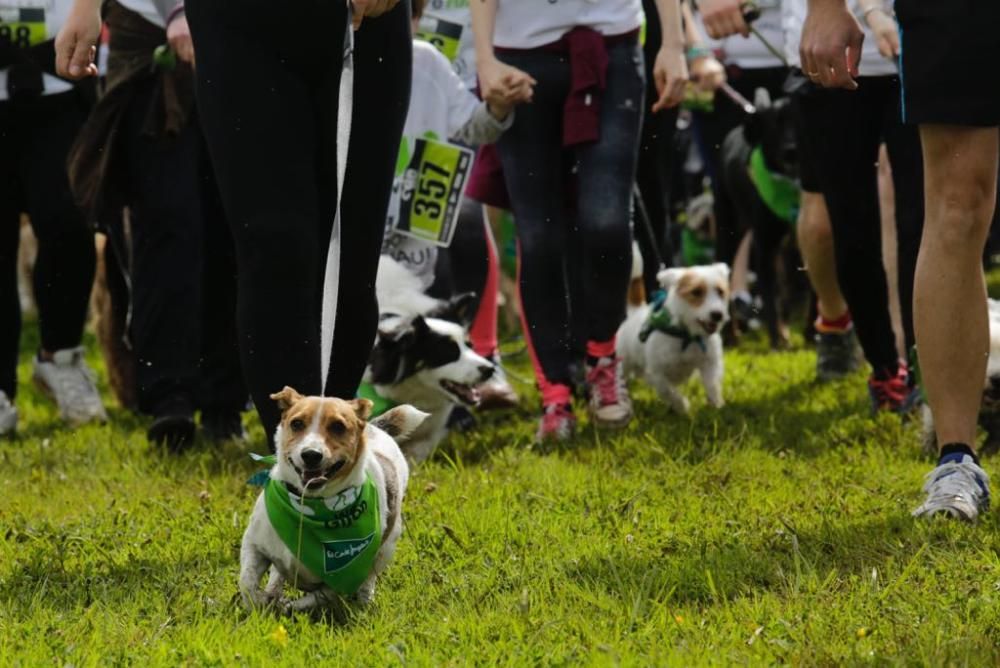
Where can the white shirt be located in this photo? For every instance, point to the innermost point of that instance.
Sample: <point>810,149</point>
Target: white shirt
<point>147,9</point>
<point>749,52</point>
<point>872,63</point>
<point>457,11</point>
<point>526,24</point>
<point>56,12</point>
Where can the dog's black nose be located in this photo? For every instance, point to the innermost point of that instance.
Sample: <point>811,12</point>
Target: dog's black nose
<point>716,316</point>
<point>312,458</point>
<point>486,372</point>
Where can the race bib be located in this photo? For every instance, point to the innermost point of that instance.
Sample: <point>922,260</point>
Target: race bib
<point>22,27</point>
<point>445,36</point>
<point>427,192</point>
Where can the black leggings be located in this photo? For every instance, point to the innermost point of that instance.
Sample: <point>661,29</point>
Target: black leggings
<point>845,131</point>
<point>35,136</point>
<point>593,244</point>
<point>268,77</point>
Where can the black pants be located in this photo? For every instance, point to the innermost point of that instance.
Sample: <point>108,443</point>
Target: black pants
<point>845,129</point>
<point>268,77</point>
<point>712,129</point>
<point>654,173</point>
<point>595,241</point>
<point>35,136</point>
<point>182,269</point>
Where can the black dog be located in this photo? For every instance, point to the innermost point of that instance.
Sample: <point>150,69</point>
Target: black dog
<point>759,165</point>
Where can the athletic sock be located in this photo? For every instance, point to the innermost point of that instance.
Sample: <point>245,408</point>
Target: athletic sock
<point>836,326</point>
<point>956,452</point>
<point>596,350</point>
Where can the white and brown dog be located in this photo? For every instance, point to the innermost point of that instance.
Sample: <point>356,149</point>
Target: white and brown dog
<point>667,341</point>
<point>329,458</point>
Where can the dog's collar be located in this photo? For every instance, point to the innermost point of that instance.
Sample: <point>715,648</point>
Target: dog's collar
<point>660,320</point>
<point>779,193</point>
<point>380,404</point>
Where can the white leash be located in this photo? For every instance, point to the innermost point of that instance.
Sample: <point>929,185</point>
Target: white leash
<point>331,278</point>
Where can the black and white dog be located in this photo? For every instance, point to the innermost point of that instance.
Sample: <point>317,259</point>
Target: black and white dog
<point>421,356</point>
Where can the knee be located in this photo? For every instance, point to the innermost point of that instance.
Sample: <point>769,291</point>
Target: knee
<point>959,213</point>
<point>814,228</point>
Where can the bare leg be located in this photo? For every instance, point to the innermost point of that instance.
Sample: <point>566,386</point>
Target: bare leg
<point>887,207</point>
<point>741,265</point>
<point>960,176</point>
<point>815,238</point>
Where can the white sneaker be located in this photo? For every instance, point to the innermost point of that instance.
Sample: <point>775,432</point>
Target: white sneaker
<point>8,415</point>
<point>958,489</point>
<point>68,381</point>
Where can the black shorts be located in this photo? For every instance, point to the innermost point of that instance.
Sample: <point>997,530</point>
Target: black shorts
<point>950,54</point>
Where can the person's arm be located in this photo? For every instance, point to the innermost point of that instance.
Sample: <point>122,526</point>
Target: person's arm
<point>706,71</point>
<point>723,18</point>
<point>670,73</point>
<point>76,43</point>
<point>879,18</point>
<point>178,32</point>
<point>484,125</point>
<point>498,83</point>
<point>831,44</point>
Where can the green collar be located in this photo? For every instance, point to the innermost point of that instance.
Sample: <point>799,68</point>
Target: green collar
<point>335,538</point>
<point>379,403</point>
<point>780,193</point>
<point>660,320</point>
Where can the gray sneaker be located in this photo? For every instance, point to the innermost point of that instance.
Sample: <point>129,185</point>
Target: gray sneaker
<point>8,415</point>
<point>68,381</point>
<point>836,355</point>
<point>958,489</point>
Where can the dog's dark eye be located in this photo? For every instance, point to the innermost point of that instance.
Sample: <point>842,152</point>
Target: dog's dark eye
<point>337,427</point>
<point>721,292</point>
<point>297,424</point>
<point>698,293</point>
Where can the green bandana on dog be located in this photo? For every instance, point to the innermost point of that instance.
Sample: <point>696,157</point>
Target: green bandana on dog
<point>780,193</point>
<point>336,538</point>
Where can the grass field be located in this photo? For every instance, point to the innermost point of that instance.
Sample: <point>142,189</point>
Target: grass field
<point>775,530</point>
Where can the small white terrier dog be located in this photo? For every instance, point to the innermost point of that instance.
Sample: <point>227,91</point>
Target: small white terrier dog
<point>329,517</point>
<point>667,341</point>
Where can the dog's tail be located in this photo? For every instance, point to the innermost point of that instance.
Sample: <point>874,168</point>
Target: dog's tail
<point>637,288</point>
<point>400,422</point>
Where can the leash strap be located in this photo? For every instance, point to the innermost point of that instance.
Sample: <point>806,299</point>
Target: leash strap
<point>331,278</point>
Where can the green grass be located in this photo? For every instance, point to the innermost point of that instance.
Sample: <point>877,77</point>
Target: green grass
<point>775,530</point>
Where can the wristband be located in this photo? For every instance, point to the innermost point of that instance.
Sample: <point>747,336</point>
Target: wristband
<point>175,12</point>
<point>696,52</point>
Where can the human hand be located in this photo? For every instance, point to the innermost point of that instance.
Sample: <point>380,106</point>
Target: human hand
<point>500,84</point>
<point>723,18</point>
<point>886,32</point>
<point>372,8</point>
<point>670,74</point>
<point>179,38</point>
<point>707,73</point>
<point>831,44</point>
<point>76,43</point>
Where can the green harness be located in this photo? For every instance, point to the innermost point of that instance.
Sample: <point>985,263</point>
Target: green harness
<point>780,193</point>
<point>660,320</point>
<point>379,403</point>
<point>336,538</point>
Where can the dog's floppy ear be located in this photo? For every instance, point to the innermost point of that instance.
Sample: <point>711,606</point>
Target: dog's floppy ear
<point>459,309</point>
<point>395,328</point>
<point>668,277</point>
<point>287,398</point>
<point>753,126</point>
<point>362,408</point>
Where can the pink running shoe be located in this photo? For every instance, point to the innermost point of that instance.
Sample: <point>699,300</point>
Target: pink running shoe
<point>557,424</point>
<point>610,404</point>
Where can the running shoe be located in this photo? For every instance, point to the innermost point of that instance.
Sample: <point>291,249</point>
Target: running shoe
<point>836,355</point>
<point>609,403</point>
<point>8,415</point>
<point>71,384</point>
<point>497,393</point>
<point>959,489</point>
<point>894,394</point>
<point>557,424</point>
